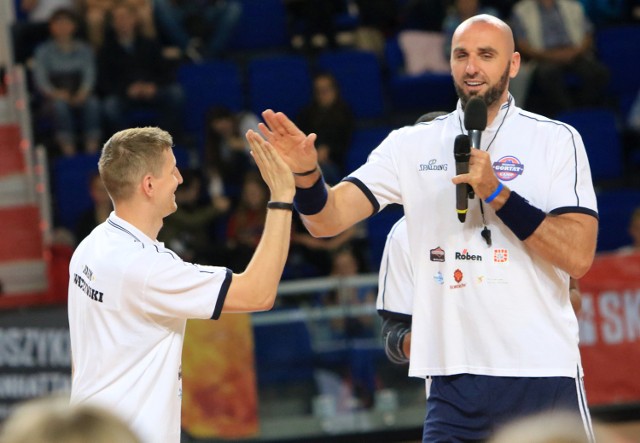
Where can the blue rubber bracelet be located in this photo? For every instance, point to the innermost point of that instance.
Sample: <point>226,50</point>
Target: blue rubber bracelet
<point>310,201</point>
<point>493,196</point>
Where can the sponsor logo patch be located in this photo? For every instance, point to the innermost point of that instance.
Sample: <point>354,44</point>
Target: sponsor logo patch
<point>458,276</point>
<point>436,254</point>
<point>464,255</point>
<point>432,166</point>
<point>500,255</point>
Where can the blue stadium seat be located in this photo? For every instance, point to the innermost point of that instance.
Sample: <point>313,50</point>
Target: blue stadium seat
<point>359,75</point>
<point>416,93</point>
<point>263,25</point>
<point>70,183</point>
<point>283,353</point>
<point>208,84</point>
<point>615,207</point>
<point>364,140</point>
<point>281,83</point>
<point>599,130</point>
<point>617,47</point>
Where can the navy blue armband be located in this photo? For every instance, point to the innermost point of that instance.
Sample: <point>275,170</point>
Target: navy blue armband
<point>520,216</point>
<point>310,201</point>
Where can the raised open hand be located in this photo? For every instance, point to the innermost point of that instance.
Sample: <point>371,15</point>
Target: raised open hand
<point>295,148</point>
<point>275,172</point>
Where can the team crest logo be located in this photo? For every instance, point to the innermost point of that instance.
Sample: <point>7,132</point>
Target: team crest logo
<point>508,167</point>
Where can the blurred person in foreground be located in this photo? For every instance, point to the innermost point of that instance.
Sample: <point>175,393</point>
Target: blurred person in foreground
<point>494,328</point>
<point>130,297</point>
<point>557,427</point>
<point>53,420</point>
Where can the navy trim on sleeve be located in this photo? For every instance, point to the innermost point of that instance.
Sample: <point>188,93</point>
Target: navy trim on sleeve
<point>404,318</point>
<point>365,191</point>
<point>222,295</point>
<point>575,209</point>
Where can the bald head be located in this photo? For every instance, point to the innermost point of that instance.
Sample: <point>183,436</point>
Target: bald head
<point>486,20</point>
<point>483,59</point>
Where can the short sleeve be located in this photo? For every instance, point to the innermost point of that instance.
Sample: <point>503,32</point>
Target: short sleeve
<point>395,284</point>
<point>378,177</point>
<point>180,289</point>
<point>571,185</point>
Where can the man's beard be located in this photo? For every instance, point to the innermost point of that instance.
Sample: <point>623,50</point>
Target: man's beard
<point>489,97</point>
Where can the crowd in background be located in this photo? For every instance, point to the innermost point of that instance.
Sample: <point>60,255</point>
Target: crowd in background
<point>99,66</point>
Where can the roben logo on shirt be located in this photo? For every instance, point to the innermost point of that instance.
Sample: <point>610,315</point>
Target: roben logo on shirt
<point>464,255</point>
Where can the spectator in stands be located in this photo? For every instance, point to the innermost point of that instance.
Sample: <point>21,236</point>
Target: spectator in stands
<point>556,35</point>
<point>65,75</point>
<point>32,25</point>
<point>226,152</point>
<point>202,29</point>
<point>99,211</point>
<point>357,369</point>
<point>331,118</point>
<point>377,20</point>
<point>634,232</point>
<point>312,257</point>
<point>134,75</point>
<point>96,13</point>
<point>314,21</point>
<point>53,420</point>
<point>246,221</point>
<point>188,230</point>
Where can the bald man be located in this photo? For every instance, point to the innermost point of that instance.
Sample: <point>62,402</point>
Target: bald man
<point>493,327</point>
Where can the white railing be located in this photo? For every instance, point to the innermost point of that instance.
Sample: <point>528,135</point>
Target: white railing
<point>314,285</point>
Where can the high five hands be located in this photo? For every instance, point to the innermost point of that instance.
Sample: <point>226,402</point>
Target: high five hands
<point>296,149</point>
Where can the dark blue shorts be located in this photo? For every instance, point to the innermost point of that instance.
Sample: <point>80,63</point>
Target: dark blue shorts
<point>470,408</point>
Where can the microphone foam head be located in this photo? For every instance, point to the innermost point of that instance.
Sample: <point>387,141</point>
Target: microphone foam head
<point>475,114</point>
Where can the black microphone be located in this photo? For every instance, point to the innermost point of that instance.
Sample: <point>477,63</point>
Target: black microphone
<point>462,152</point>
<point>475,120</point>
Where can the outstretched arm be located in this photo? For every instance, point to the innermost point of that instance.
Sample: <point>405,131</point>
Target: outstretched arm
<point>325,211</point>
<point>255,289</point>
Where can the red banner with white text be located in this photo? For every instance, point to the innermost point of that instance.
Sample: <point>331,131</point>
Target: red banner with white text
<point>610,329</point>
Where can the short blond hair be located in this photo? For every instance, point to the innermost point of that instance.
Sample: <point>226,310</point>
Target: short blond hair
<point>130,154</point>
<point>53,420</point>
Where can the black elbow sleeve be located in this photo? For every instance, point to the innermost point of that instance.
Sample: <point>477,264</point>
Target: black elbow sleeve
<point>393,333</point>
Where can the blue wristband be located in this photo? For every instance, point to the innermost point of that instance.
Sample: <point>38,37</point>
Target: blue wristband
<point>493,196</point>
<point>520,216</point>
<point>310,201</point>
